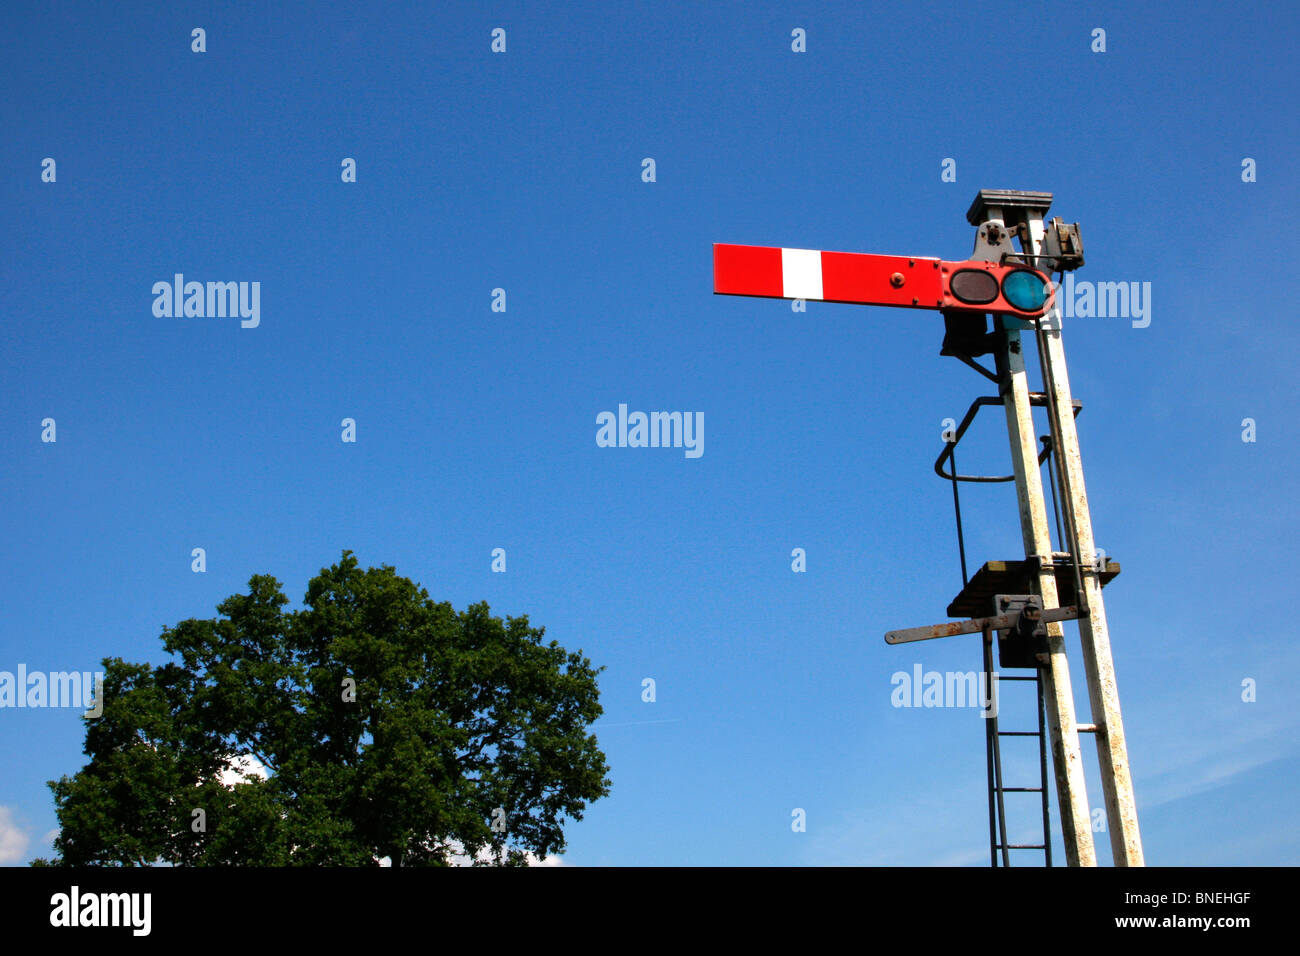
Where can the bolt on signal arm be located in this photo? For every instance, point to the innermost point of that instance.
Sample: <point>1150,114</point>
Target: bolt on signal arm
<point>906,281</point>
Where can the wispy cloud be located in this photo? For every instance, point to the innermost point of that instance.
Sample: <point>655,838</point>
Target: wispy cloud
<point>13,838</point>
<point>913,829</point>
<point>1207,746</point>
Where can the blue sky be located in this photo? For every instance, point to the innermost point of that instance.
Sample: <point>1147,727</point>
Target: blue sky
<point>476,429</point>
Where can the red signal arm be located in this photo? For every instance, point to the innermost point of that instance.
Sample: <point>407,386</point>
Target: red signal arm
<point>907,281</point>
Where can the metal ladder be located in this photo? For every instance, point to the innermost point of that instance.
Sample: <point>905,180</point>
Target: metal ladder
<point>993,734</point>
<point>993,748</point>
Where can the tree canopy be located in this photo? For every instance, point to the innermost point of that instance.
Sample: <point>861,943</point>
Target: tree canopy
<point>389,726</point>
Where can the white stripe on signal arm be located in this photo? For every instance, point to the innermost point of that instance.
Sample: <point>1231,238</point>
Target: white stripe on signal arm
<point>801,273</point>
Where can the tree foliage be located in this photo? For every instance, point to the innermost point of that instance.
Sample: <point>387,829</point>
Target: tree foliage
<point>466,735</point>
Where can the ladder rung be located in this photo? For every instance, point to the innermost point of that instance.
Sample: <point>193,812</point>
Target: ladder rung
<point>1019,846</point>
<point>1018,789</point>
<point>1086,728</point>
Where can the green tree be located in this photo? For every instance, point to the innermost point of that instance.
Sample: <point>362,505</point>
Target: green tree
<point>389,726</point>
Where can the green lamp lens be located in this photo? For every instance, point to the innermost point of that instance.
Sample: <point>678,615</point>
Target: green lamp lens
<point>1024,290</point>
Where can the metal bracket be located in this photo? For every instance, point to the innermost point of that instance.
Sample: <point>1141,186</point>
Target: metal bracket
<point>993,244</point>
<point>1009,618</point>
<point>1063,245</point>
<point>1024,644</point>
<point>965,336</point>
